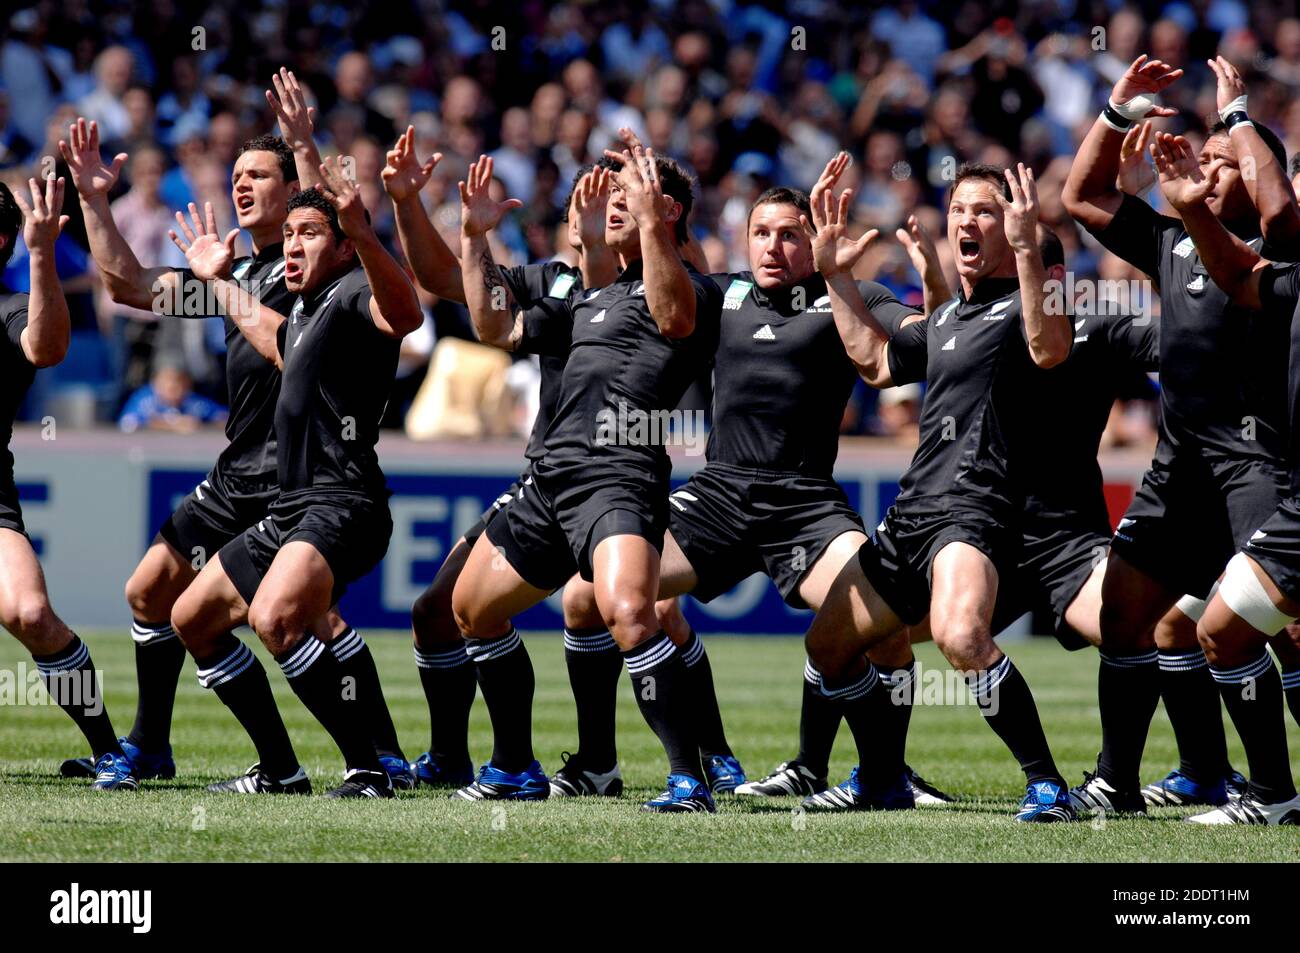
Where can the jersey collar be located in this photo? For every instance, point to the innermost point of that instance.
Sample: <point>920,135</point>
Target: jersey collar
<point>990,289</point>
<point>780,298</point>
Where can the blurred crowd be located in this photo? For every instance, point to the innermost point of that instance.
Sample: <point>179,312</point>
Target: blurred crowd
<point>746,94</point>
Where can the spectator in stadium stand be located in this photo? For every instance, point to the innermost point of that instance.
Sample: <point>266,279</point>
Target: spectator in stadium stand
<point>168,402</point>
<point>113,69</point>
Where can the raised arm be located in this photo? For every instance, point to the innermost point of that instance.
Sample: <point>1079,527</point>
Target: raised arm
<point>492,309</point>
<point>1090,193</point>
<point>925,259</point>
<point>125,279</point>
<point>49,329</point>
<point>1049,336</point>
<point>1232,264</point>
<point>394,306</point>
<point>297,122</point>
<point>435,265</point>
<point>598,263</point>
<point>210,258</point>
<point>1265,179</point>
<point>669,291</point>
<point>835,254</point>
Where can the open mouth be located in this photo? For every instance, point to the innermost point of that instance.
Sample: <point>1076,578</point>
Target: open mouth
<point>245,203</point>
<point>968,249</point>
<point>292,272</point>
<point>615,221</point>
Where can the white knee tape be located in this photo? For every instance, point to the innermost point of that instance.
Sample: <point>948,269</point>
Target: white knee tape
<point>1193,607</point>
<point>1244,594</point>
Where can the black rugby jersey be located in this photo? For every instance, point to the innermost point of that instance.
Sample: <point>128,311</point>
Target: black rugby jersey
<point>549,337</point>
<point>16,372</point>
<point>1222,368</point>
<point>252,382</point>
<point>1069,405</point>
<point>1279,296</point>
<point>338,371</point>
<point>975,420</point>
<point>623,377</point>
<point>782,377</point>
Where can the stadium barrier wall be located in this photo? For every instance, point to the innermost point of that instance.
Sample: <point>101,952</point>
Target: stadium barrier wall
<point>93,500</point>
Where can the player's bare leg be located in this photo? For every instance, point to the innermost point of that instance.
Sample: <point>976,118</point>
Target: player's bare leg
<point>1234,633</point>
<point>61,657</point>
<point>205,617</point>
<point>447,676</point>
<point>487,595</point>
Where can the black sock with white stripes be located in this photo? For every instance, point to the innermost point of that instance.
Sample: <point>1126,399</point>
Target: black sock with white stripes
<point>1252,693</point>
<point>1008,706</point>
<point>708,716</point>
<point>1192,704</point>
<point>357,663</point>
<point>662,688</point>
<point>233,672</point>
<point>505,676</point>
<point>1128,690</point>
<point>317,678</point>
<point>594,663</point>
<point>450,683</point>
<point>897,685</point>
<point>72,682</point>
<point>1291,689</point>
<point>862,700</point>
<point>819,722</point>
<point>159,658</point>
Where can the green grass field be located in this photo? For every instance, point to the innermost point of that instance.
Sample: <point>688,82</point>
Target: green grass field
<point>45,818</point>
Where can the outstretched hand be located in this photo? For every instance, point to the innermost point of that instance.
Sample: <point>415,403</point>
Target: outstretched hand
<point>81,152</point>
<point>42,222</point>
<point>834,253</point>
<point>403,174</point>
<point>479,212</point>
<point>344,195</point>
<point>1147,78</point>
<point>1182,180</point>
<point>1020,215</point>
<point>209,255</point>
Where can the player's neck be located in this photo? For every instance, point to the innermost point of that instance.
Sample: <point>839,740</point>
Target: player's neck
<point>265,237</point>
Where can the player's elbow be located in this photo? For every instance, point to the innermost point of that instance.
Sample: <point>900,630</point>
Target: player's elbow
<point>1049,355</point>
<point>47,353</point>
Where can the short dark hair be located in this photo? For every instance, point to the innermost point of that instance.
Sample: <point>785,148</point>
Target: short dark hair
<point>979,170</point>
<point>1050,247</point>
<point>280,148</point>
<point>312,198</point>
<point>11,222</point>
<point>680,184</point>
<point>781,195</point>
<point>604,162</point>
<point>1219,128</point>
<point>1294,170</point>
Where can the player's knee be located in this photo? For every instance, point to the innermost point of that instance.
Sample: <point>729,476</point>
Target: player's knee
<point>630,618</point>
<point>147,596</point>
<point>1119,629</point>
<point>580,609</point>
<point>966,643</point>
<point>276,623</point>
<point>30,618</point>
<point>668,613</point>
<point>432,621</point>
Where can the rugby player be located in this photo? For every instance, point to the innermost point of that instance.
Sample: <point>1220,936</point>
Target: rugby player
<point>1259,594</point>
<point>242,484</point>
<point>330,523</point>
<point>766,500</point>
<point>597,502</point>
<point>948,538</point>
<point>37,330</point>
<point>1219,469</point>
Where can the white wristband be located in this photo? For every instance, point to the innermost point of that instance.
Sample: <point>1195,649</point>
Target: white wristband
<point>1135,108</point>
<point>1238,105</point>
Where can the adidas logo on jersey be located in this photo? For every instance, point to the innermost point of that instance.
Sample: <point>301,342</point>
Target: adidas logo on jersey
<point>951,345</point>
<point>764,333</point>
<point>1197,284</point>
<point>1185,248</point>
